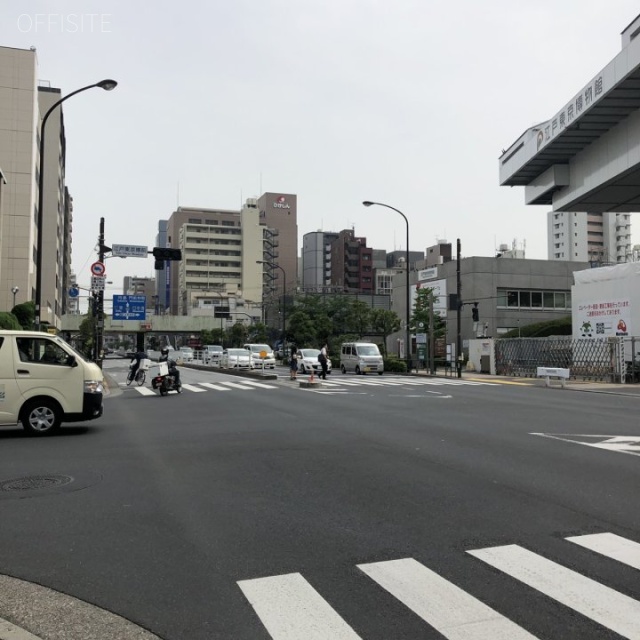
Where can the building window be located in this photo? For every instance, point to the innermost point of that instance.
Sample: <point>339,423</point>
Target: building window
<point>195,221</point>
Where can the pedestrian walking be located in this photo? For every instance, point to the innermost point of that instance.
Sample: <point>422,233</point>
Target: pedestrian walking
<point>293,362</point>
<point>322,359</point>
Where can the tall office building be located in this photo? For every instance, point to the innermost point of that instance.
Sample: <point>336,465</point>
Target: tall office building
<point>598,238</point>
<point>279,212</point>
<point>22,105</point>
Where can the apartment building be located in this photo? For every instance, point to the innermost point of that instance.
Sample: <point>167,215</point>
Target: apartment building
<point>598,238</point>
<point>220,248</point>
<point>23,102</point>
<point>352,263</point>
<point>316,260</point>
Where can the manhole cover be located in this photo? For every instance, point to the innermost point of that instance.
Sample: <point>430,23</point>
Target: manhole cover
<point>34,482</point>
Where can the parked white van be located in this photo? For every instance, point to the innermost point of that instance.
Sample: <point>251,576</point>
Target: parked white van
<point>361,357</point>
<point>44,382</point>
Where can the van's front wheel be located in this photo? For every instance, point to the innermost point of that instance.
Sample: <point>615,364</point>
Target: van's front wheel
<point>41,417</point>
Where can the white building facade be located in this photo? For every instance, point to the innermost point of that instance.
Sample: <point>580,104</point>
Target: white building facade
<point>599,238</point>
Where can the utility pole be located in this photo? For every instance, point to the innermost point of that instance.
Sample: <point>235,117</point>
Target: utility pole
<point>432,338</point>
<point>99,302</point>
<point>458,312</point>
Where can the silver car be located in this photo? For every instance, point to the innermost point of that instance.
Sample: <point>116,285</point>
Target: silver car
<point>236,359</point>
<point>308,361</point>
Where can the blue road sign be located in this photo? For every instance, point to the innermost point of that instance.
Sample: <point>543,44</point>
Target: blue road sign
<point>129,307</point>
<point>74,292</point>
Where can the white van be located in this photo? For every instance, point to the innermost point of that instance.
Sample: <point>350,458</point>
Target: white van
<point>361,357</point>
<point>44,382</point>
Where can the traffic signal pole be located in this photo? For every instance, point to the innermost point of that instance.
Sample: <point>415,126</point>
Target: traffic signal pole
<point>458,313</point>
<point>98,346</point>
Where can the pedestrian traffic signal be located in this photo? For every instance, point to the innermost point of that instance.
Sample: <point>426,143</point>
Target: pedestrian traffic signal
<point>475,313</point>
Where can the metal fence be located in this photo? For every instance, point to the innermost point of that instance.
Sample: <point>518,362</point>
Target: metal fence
<point>605,359</point>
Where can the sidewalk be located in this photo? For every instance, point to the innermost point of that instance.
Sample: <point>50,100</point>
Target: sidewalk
<point>591,386</point>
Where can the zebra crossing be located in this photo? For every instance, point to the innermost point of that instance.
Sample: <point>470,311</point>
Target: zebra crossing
<point>201,387</point>
<point>290,608</point>
<point>328,386</point>
<point>340,385</point>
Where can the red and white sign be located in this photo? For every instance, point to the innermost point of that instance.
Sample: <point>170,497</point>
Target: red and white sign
<point>281,203</point>
<point>98,269</point>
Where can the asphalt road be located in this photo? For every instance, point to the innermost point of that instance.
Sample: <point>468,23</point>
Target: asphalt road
<point>375,508</point>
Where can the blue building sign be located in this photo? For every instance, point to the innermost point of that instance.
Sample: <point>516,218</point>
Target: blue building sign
<point>129,307</point>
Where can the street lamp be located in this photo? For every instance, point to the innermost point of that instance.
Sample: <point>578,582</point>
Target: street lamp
<point>14,290</point>
<point>107,85</point>
<point>368,203</point>
<point>284,299</point>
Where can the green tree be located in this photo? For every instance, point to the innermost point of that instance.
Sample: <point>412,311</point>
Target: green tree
<point>259,333</point>
<point>359,318</point>
<point>303,329</point>
<point>421,315</point>
<point>9,321</point>
<point>26,314</point>
<point>87,334</point>
<point>385,322</point>
<point>238,334</point>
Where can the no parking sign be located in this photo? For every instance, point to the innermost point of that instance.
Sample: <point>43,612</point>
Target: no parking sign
<point>98,269</point>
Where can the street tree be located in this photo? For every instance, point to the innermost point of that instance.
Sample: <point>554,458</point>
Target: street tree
<point>385,322</point>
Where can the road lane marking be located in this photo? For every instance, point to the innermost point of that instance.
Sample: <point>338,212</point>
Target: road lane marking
<point>215,387</point>
<point>145,391</point>
<point>448,609</point>
<point>190,387</point>
<point>291,609</point>
<point>604,605</point>
<point>262,385</point>
<point>611,546</point>
<point>618,444</point>
<point>235,385</point>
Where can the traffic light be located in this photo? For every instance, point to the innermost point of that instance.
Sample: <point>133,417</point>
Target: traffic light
<point>161,254</point>
<point>164,253</point>
<point>475,313</point>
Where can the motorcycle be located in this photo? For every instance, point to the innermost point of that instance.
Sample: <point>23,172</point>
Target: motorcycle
<point>164,382</point>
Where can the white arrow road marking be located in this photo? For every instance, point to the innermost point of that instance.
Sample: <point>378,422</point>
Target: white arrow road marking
<point>604,605</point>
<point>619,444</point>
<point>447,608</point>
<point>611,546</point>
<point>291,609</point>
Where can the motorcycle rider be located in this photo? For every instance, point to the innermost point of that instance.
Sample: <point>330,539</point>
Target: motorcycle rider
<point>173,369</point>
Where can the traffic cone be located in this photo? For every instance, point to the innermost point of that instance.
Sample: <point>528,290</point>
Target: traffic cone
<point>312,375</point>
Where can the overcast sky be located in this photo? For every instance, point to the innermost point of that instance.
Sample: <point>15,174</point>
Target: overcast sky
<point>407,102</point>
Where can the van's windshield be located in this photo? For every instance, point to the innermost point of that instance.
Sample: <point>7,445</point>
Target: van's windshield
<point>368,350</point>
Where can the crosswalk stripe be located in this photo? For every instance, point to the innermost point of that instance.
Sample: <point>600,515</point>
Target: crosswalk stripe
<point>145,391</point>
<point>216,387</point>
<point>235,385</point>
<point>291,609</point>
<point>447,608</point>
<point>262,385</point>
<point>600,603</point>
<point>190,387</point>
<point>611,546</point>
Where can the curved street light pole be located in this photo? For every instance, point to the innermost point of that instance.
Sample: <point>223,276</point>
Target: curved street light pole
<point>107,85</point>
<point>368,203</point>
<point>284,300</point>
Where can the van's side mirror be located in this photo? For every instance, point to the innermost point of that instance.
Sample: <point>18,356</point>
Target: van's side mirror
<point>72,362</point>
